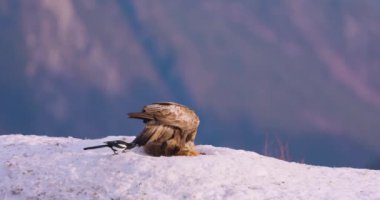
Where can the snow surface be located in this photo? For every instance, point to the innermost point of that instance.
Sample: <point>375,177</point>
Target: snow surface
<point>40,167</point>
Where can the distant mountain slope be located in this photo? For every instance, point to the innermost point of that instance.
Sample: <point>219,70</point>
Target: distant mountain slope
<point>38,167</point>
<point>291,68</point>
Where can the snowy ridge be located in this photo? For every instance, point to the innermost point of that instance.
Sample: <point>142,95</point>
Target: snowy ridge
<point>40,167</point>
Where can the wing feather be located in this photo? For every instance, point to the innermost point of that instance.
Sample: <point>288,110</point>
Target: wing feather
<point>173,114</point>
<point>153,133</point>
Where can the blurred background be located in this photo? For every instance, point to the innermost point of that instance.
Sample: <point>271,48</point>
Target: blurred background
<point>296,78</point>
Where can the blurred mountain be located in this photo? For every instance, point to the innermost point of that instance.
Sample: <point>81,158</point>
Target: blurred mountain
<point>307,71</point>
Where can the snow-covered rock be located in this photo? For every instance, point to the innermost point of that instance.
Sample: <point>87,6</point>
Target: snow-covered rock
<point>40,167</point>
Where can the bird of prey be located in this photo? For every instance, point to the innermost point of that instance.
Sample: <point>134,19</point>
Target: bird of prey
<point>170,129</point>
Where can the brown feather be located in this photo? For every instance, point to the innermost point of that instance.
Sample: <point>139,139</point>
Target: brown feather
<point>140,115</point>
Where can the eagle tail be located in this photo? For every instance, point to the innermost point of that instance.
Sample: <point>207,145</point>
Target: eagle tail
<point>140,115</point>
